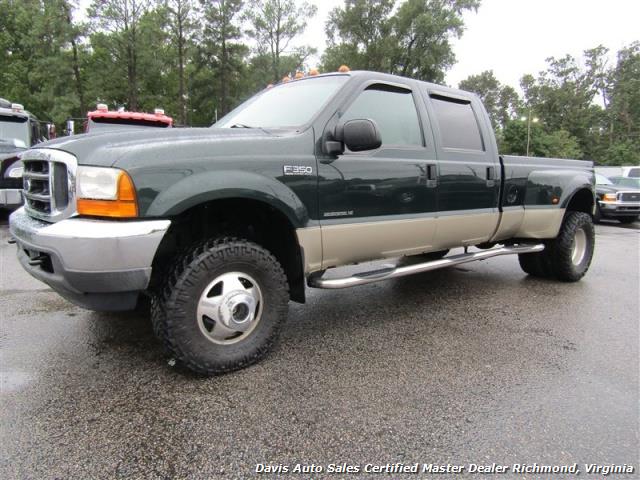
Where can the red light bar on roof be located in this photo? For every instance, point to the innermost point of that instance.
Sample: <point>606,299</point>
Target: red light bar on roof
<point>148,117</point>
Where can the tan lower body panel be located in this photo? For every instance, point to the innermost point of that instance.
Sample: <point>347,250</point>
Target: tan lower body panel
<point>510,222</point>
<point>310,239</point>
<point>344,244</point>
<point>540,223</point>
<point>358,242</point>
<point>465,230</point>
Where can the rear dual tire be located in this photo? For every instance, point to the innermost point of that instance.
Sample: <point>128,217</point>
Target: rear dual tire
<point>568,256</point>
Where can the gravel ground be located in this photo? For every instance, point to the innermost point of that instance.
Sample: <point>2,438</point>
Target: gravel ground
<point>478,364</point>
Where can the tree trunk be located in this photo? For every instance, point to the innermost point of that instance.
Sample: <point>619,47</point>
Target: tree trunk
<point>133,72</point>
<point>181,101</point>
<point>76,64</point>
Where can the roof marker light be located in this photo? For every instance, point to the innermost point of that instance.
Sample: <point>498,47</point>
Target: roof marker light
<point>102,107</point>
<point>17,107</point>
<point>159,111</point>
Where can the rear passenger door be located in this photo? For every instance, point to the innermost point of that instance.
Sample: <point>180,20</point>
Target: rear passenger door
<point>468,169</point>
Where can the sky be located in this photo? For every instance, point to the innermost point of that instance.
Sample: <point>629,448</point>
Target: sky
<point>514,37</point>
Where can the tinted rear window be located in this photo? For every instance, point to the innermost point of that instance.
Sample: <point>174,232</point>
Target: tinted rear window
<point>457,122</point>
<point>634,172</point>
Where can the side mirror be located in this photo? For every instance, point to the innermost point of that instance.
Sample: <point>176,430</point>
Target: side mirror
<point>359,134</point>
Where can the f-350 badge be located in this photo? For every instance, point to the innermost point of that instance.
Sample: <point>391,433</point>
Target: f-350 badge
<point>298,170</point>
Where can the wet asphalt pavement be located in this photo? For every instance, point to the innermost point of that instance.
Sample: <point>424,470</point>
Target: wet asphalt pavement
<point>477,364</point>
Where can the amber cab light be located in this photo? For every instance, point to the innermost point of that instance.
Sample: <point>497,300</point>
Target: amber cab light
<point>124,206</point>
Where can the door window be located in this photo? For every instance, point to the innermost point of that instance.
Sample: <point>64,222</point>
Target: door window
<point>393,110</point>
<point>457,122</point>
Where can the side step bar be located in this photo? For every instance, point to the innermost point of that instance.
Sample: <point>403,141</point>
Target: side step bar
<point>388,272</point>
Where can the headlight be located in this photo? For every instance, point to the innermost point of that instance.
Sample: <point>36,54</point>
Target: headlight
<point>16,171</point>
<point>105,192</point>
<point>609,197</point>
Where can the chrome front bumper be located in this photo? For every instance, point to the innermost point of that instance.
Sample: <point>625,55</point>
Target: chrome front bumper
<point>619,208</point>
<point>10,197</point>
<point>97,264</point>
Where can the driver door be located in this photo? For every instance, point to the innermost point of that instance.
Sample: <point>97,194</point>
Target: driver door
<point>382,202</point>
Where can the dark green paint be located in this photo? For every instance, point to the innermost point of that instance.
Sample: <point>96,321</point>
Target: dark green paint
<point>175,169</point>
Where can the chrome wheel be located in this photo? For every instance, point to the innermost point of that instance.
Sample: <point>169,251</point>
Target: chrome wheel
<point>229,308</point>
<point>579,246</point>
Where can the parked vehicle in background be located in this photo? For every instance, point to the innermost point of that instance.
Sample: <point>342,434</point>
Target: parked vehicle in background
<point>19,130</point>
<point>633,172</point>
<point>609,172</point>
<point>617,201</point>
<point>222,226</point>
<point>102,119</point>
<point>630,182</point>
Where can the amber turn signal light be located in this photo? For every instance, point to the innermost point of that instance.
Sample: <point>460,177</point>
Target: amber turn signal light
<point>124,206</point>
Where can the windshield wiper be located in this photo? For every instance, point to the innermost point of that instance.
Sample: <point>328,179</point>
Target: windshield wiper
<point>240,125</point>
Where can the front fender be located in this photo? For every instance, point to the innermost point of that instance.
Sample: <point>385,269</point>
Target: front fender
<point>217,185</point>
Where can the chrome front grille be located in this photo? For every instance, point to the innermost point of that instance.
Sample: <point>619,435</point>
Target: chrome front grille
<point>629,197</point>
<point>49,184</point>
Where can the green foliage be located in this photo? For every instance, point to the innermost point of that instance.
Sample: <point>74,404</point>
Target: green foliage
<point>501,101</point>
<point>195,59</point>
<point>36,63</point>
<point>586,109</point>
<point>556,144</point>
<point>412,40</point>
<point>274,24</point>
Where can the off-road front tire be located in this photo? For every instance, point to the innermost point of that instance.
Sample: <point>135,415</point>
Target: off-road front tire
<point>222,306</point>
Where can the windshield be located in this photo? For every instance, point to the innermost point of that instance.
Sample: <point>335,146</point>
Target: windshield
<point>627,182</point>
<point>602,180</point>
<point>14,130</point>
<point>287,105</point>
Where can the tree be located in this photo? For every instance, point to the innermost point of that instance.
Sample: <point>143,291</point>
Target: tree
<point>624,108</point>
<point>501,101</point>
<point>556,144</point>
<point>564,95</point>
<point>223,52</point>
<point>274,24</point>
<point>414,41</point>
<point>36,67</point>
<point>182,26</point>
<point>121,19</point>
<point>359,35</point>
<point>422,33</point>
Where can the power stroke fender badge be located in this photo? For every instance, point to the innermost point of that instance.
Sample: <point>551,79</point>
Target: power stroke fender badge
<point>297,170</point>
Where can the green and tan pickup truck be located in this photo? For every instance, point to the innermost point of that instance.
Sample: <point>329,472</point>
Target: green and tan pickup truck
<point>223,226</point>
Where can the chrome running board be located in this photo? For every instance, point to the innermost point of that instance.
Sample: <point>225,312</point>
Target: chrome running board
<point>389,271</point>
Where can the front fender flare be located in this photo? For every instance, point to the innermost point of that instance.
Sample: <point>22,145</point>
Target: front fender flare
<point>217,185</point>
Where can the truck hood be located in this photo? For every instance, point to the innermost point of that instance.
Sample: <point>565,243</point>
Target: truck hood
<point>602,189</point>
<point>123,147</point>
